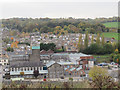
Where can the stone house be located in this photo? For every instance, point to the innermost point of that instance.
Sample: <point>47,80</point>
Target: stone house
<point>55,70</point>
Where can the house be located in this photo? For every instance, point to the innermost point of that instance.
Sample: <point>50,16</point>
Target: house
<point>45,56</point>
<point>55,70</point>
<point>4,59</point>
<point>83,59</point>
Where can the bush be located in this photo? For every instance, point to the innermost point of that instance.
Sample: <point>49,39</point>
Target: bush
<point>10,49</point>
<point>97,49</point>
<point>71,79</point>
<point>59,50</point>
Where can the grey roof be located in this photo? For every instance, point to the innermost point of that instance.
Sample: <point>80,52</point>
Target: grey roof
<point>61,54</point>
<point>50,63</point>
<point>67,63</point>
<point>72,69</point>
<point>80,67</point>
<point>26,64</point>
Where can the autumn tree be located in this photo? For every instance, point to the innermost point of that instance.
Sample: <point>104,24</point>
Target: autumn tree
<point>92,39</point>
<point>21,73</point>
<point>80,43</point>
<point>103,40</point>
<point>14,45</point>
<point>98,39</point>
<point>101,78</point>
<point>58,28</point>
<point>86,41</point>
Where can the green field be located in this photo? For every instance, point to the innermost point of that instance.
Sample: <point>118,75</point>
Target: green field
<point>102,58</point>
<point>111,24</point>
<point>110,35</point>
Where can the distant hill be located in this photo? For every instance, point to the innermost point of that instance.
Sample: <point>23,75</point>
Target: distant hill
<point>60,25</point>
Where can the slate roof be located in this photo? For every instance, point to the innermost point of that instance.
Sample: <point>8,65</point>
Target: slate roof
<point>67,63</point>
<point>80,67</point>
<point>50,63</point>
<point>72,69</point>
<point>26,64</point>
<point>35,47</point>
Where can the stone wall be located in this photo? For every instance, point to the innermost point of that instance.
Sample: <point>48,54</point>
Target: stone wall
<point>55,71</point>
<point>35,56</point>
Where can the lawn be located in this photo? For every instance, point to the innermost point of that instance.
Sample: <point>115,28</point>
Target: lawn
<point>102,58</point>
<point>110,35</point>
<point>111,24</point>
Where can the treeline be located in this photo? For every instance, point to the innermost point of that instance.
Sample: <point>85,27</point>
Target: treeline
<point>45,25</point>
<point>98,47</point>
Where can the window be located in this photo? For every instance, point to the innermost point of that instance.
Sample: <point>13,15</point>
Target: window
<point>12,69</point>
<point>28,68</point>
<point>15,69</point>
<point>18,69</point>
<point>39,68</point>
<point>21,69</point>
<point>25,68</point>
<point>34,68</point>
<point>44,68</point>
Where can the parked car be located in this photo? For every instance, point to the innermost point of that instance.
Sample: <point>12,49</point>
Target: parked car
<point>62,77</point>
<point>102,64</point>
<point>115,66</point>
<point>112,63</point>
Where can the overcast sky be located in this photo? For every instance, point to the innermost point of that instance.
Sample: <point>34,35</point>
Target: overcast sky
<point>35,9</point>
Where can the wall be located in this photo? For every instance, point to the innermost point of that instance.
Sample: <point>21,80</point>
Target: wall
<point>55,71</point>
<point>35,56</point>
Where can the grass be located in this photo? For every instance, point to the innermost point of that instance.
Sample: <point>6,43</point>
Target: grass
<point>111,24</point>
<point>110,35</point>
<point>102,58</point>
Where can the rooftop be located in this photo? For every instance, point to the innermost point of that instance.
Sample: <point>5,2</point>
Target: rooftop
<point>35,47</point>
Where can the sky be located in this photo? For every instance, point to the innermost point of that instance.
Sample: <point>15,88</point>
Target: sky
<point>58,9</point>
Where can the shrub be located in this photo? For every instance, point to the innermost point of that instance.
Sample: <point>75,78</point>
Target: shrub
<point>97,49</point>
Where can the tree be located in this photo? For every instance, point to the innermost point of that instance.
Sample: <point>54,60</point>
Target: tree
<point>103,40</point>
<point>10,49</point>
<point>21,73</point>
<point>80,43</point>
<point>98,49</point>
<point>116,56</point>
<point>92,39</point>
<point>49,46</point>
<point>92,49</point>
<point>101,78</point>
<point>58,28</point>
<point>107,48</point>
<point>6,40</point>
<point>35,73</point>
<point>86,41</point>
<point>98,39</point>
